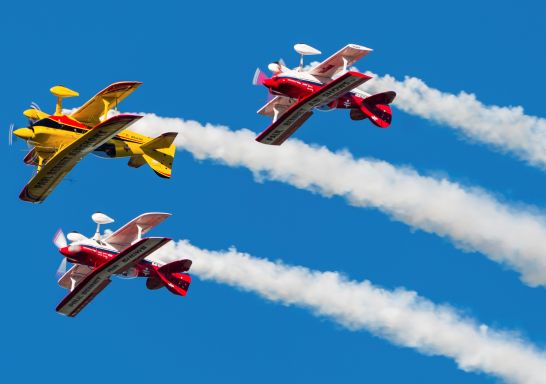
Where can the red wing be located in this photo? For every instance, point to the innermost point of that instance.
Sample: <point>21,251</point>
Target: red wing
<point>97,280</point>
<point>298,113</point>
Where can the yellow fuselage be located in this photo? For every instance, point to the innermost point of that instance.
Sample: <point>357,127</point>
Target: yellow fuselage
<point>54,132</point>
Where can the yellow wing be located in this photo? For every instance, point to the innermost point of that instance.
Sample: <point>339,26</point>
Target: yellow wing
<point>91,112</point>
<point>52,172</point>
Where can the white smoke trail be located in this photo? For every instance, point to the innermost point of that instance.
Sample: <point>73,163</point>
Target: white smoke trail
<point>400,316</point>
<point>471,218</point>
<point>505,128</point>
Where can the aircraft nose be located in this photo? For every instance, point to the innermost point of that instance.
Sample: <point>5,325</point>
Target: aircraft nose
<point>269,83</point>
<point>70,250</point>
<point>24,133</point>
<point>65,251</point>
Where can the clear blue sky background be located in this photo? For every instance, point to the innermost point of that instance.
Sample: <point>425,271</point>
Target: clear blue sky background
<point>196,61</point>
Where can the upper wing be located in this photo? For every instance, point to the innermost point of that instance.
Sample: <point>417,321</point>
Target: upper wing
<point>127,234</point>
<point>97,280</point>
<point>51,174</point>
<point>343,58</point>
<point>296,115</point>
<point>91,112</point>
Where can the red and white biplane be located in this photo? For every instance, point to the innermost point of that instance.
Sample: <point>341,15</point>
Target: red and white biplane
<point>123,253</point>
<point>328,85</point>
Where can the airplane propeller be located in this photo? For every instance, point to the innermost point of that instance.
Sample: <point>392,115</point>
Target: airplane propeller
<point>61,270</point>
<point>10,137</point>
<point>60,242</point>
<point>35,106</point>
<point>259,77</point>
<point>60,239</point>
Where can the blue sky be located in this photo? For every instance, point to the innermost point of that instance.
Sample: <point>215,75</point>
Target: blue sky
<point>196,62</point>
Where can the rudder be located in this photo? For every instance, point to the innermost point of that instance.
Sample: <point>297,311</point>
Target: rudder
<point>159,154</point>
<point>173,277</point>
<point>377,109</point>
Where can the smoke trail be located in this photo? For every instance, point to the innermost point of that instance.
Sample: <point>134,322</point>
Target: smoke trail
<point>505,128</point>
<point>400,316</point>
<point>469,217</point>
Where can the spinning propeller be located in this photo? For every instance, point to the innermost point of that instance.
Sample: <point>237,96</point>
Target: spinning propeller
<point>34,113</point>
<point>259,77</point>
<point>60,242</point>
<point>10,137</point>
<point>275,67</point>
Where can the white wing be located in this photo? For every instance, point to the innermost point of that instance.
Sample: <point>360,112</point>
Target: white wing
<point>343,58</point>
<point>130,232</point>
<point>276,106</point>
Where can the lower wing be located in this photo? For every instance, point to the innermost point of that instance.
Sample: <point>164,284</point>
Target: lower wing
<point>282,128</point>
<point>89,287</point>
<point>51,174</point>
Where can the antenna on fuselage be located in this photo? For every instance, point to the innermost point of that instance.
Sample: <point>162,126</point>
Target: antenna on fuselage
<point>100,218</point>
<point>305,50</point>
<point>61,92</point>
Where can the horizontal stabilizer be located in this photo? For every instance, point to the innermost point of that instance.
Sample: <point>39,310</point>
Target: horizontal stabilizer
<point>177,283</point>
<point>173,278</point>
<point>176,266</point>
<point>377,109</point>
<point>381,98</point>
<point>163,141</point>
<point>159,154</point>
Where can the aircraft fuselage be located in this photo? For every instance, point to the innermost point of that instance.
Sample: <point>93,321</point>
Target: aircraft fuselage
<point>298,85</point>
<point>54,132</point>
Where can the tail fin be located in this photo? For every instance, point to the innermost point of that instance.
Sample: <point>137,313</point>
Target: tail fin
<point>159,154</point>
<point>376,108</point>
<point>172,276</point>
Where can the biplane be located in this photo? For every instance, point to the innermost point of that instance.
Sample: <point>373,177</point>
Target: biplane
<point>60,141</point>
<point>124,253</point>
<point>326,86</point>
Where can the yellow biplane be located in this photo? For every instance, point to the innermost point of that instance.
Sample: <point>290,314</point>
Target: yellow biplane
<point>60,141</point>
